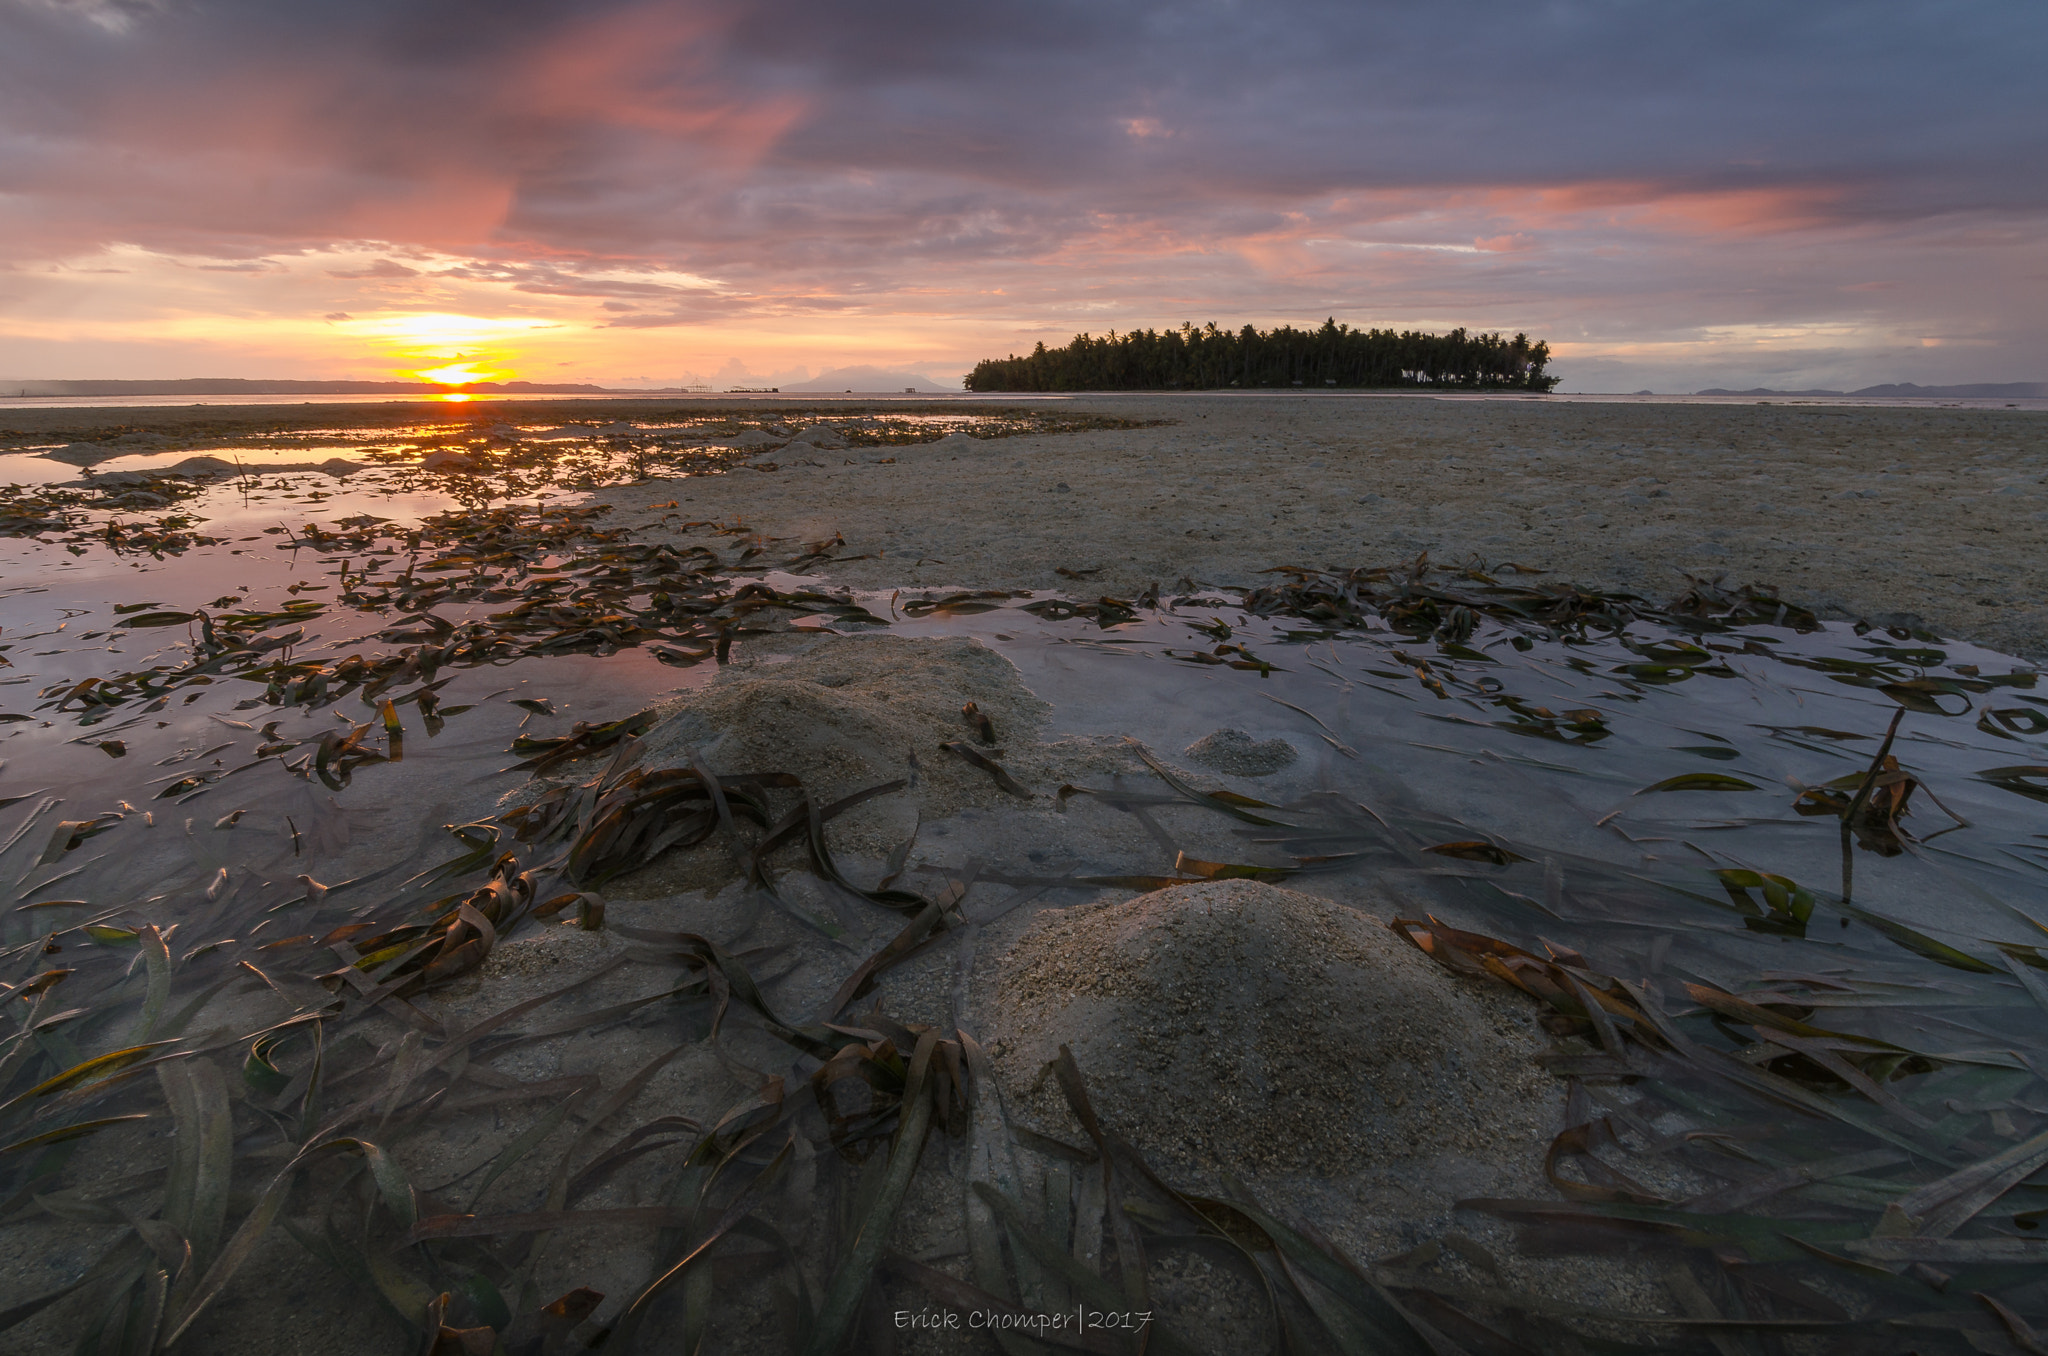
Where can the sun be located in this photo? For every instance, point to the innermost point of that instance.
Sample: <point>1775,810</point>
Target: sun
<point>454,374</point>
<point>446,349</point>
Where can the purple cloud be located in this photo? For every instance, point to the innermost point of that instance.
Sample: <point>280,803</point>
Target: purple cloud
<point>1589,169</point>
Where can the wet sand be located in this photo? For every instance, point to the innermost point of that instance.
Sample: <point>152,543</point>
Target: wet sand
<point>1234,485</point>
<point>1929,515</point>
<point>1937,516</point>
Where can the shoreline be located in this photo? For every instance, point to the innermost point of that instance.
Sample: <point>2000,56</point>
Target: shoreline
<point>166,405</point>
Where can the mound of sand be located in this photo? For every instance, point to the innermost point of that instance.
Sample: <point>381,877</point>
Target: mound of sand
<point>849,713</point>
<point>203,467</point>
<point>1235,1025</point>
<point>821,435</point>
<point>448,459</point>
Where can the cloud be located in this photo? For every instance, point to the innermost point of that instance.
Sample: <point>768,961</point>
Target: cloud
<point>240,266</point>
<point>662,125</point>
<point>383,268</point>
<point>1591,170</point>
<point>114,16</point>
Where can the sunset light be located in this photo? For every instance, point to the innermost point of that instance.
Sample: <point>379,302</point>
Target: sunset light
<point>440,330</point>
<point>445,348</point>
<point>1578,469</point>
<point>454,374</point>
<point>761,222</point>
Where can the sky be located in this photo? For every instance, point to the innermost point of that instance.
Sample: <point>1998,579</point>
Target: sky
<point>1674,195</point>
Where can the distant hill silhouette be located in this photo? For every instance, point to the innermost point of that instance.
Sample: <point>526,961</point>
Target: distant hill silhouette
<point>867,380</point>
<point>1987,390</point>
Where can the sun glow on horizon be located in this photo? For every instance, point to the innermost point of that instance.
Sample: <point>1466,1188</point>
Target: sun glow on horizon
<point>457,374</point>
<point>448,349</point>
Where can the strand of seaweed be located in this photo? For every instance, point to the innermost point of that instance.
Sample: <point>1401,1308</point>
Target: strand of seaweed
<point>477,464</point>
<point>32,511</point>
<point>1851,1176</point>
<point>606,593</point>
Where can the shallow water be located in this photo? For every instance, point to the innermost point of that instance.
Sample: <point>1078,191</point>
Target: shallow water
<point>1439,735</point>
<point>1533,757</point>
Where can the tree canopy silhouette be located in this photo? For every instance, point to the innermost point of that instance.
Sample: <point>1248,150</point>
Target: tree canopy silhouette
<point>1333,355</point>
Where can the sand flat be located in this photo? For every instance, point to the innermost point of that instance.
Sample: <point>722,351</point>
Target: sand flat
<point>1872,511</point>
<point>1939,514</point>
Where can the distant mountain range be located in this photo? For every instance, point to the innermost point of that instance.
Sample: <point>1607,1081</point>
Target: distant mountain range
<point>868,380</point>
<point>1986,390</point>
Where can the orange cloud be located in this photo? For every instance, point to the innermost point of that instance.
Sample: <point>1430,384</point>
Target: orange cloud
<point>1662,207</point>
<point>451,208</point>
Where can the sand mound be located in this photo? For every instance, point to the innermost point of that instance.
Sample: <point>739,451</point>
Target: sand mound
<point>821,435</point>
<point>1234,1025</point>
<point>851,712</point>
<point>206,467</point>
